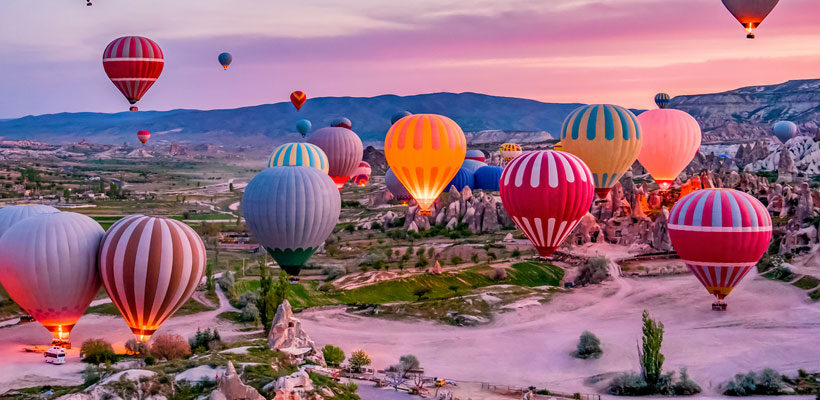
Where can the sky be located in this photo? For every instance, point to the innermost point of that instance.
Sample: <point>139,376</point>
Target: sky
<point>589,51</point>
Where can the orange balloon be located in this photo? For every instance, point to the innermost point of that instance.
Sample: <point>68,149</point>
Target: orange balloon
<point>425,151</point>
<point>671,139</point>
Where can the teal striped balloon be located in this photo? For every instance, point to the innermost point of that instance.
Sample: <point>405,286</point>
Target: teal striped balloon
<point>299,154</point>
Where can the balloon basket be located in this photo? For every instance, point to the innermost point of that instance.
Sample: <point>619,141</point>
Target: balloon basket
<point>719,306</point>
<point>426,213</point>
<point>61,343</point>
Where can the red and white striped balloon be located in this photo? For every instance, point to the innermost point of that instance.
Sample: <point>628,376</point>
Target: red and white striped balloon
<point>133,63</point>
<point>150,266</point>
<point>546,193</point>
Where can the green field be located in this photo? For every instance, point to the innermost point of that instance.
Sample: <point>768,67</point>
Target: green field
<point>190,307</point>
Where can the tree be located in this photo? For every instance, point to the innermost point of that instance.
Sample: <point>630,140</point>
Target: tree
<point>170,346</point>
<point>97,351</point>
<point>454,288</point>
<point>333,355</point>
<point>271,296</point>
<point>474,258</point>
<point>420,292</point>
<point>409,362</point>
<point>595,271</point>
<point>589,346</point>
<point>209,278</point>
<point>132,346</point>
<point>230,187</point>
<point>650,353</point>
<point>358,359</point>
<point>455,260</point>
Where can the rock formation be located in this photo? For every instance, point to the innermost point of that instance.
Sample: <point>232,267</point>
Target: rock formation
<point>287,336</point>
<point>230,387</point>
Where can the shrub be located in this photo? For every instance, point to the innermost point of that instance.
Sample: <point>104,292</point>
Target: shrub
<point>595,271</point>
<point>358,359</point>
<point>474,258</point>
<point>333,355</point>
<point>247,298</point>
<point>420,292</point>
<point>685,386</point>
<point>205,340</point>
<point>327,287</point>
<point>455,260</point>
<point>499,274</point>
<point>628,384</point>
<point>136,348</point>
<point>97,351</point>
<point>169,346</point>
<point>249,313</point>
<point>150,360</point>
<point>589,346</point>
<point>768,382</point>
<point>516,253</point>
<point>227,280</point>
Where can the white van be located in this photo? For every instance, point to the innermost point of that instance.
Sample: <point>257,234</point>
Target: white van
<point>55,355</point>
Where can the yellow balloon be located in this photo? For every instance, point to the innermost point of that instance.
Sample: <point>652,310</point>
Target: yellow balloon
<point>425,151</point>
<point>607,137</point>
<point>509,151</point>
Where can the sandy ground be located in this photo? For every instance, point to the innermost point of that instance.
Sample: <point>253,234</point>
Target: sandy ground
<point>769,324</point>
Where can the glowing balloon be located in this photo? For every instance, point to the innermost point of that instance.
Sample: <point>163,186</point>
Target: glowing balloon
<point>143,136</point>
<point>344,151</point>
<point>671,139</point>
<point>475,155</point>
<point>425,152</point>
<point>303,126</point>
<point>10,215</point>
<point>509,151</point>
<point>546,193</point>
<point>133,63</point>
<point>607,138</point>
<point>784,130</point>
<point>298,98</point>
<point>720,234</point>
<point>396,188</point>
<point>399,115</point>
<point>48,265</point>
<point>487,177</point>
<point>750,13</point>
<point>362,174</point>
<point>291,211</point>
<point>150,266</point>
<point>662,100</point>
<point>225,59</point>
<point>342,122</point>
<point>464,178</point>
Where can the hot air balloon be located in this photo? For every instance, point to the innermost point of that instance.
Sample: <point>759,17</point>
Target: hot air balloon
<point>10,215</point>
<point>671,139</point>
<point>546,193</point>
<point>225,59</point>
<point>472,165</point>
<point>344,151</point>
<point>299,155</point>
<point>150,266</point>
<point>399,115</point>
<point>558,147</point>
<point>48,265</point>
<point>362,174</point>
<point>143,136</point>
<point>662,100</point>
<point>425,152</point>
<point>396,188</point>
<point>303,126</point>
<point>475,155</point>
<point>486,178</point>
<point>341,122</point>
<point>784,130</point>
<point>720,234</point>
<point>291,211</point>
<point>464,178</point>
<point>509,151</point>
<point>298,98</point>
<point>133,63</point>
<point>607,138</point>
<point>750,13</point>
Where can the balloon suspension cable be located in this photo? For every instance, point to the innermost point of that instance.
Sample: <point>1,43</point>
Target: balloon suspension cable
<point>749,33</point>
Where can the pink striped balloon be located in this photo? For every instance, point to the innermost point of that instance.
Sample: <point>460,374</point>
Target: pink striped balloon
<point>546,193</point>
<point>150,266</point>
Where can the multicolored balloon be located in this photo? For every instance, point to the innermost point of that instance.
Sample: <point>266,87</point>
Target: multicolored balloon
<point>671,139</point>
<point>362,174</point>
<point>225,60</point>
<point>344,151</point>
<point>10,215</point>
<point>150,266</point>
<point>303,126</point>
<point>425,152</point>
<point>509,151</point>
<point>464,178</point>
<point>298,98</point>
<point>607,137</point>
<point>662,100</point>
<point>143,136</point>
<point>342,122</point>
<point>299,155</point>
<point>48,265</point>
<point>475,155</point>
<point>720,234</point>
<point>133,63</point>
<point>396,188</point>
<point>546,193</point>
<point>399,115</point>
<point>784,130</point>
<point>558,146</point>
<point>750,13</point>
<point>291,211</point>
<point>487,177</point>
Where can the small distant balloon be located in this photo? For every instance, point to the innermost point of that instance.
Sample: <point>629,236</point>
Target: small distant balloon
<point>341,122</point>
<point>298,98</point>
<point>225,59</point>
<point>784,130</point>
<point>662,100</point>
<point>143,136</point>
<point>303,126</point>
<point>399,115</point>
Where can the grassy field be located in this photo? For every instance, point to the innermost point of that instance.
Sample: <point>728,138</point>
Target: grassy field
<point>807,282</point>
<point>190,307</point>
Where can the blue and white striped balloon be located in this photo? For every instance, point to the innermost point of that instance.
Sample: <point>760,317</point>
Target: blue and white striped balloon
<point>299,155</point>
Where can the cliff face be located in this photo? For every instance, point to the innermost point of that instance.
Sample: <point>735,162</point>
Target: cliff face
<point>749,112</point>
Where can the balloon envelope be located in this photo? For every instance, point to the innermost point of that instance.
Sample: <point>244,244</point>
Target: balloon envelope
<point>150,266</point>
<point>10,215</point>
<point>133,63</point>
<point>425,152</point>
<point>344,151</point>
<point>472,165</point>
<point>662,100</point>
<point>546,193</point>
<point>487,177</point>
<point>509,151</point>
<point>303,126</point>
<point>225,59</point>
<point>750,13</point>
<point>464,178</point>
<point>299,155</point>
<point>48,265</point>
<point>671,139</point>
<point>476,155</point>
<point>143,136</point>
<point>342,123</point>
<point>607,138</point>
<point>399,115</point>
<point>291,211</point>
<point>720,234</point>
<point>298,98</point>
<point>784,130</point>
<point>362,174</point>
<point>395,187</point>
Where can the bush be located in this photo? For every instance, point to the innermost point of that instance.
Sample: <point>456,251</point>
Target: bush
<point>333,355</point>
<point>629,384</point>
<point>132,346</point>
<point>596,270</point>
<point>768,383</point>
<point>589,346</point>
<point>685,386</point>
<point>516,253</point>
<point>247,298</point>
<point>227,280</point>
<point>150,360</point>
<point>455,260</point>
<point>169,346</point>
<point>249,313</point>
<point>205,340</point>
<point>499,274</point>
<point>97,351</point>
<point>420,292</point>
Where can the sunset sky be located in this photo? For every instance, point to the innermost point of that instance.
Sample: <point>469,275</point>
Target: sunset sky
<point>614,51</point>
